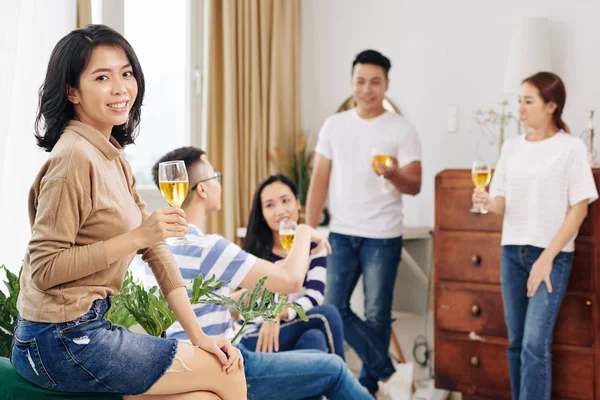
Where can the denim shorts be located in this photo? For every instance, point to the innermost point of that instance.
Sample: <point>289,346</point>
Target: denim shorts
<point>90,354</point>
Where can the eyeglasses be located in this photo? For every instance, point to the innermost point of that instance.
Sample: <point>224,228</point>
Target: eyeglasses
<point>218,176</point>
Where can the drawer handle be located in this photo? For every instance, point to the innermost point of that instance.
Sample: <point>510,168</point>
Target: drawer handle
<point>475,310</point>
<point>475,361</point>
<point>476,260</point>
<point>588,303</point>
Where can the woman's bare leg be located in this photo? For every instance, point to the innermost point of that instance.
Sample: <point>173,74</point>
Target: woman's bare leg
<point>195,370</point>
<point>181,396</point>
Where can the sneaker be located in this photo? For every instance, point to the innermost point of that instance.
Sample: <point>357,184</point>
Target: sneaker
<point>427,391</point>
<point>399,386</point>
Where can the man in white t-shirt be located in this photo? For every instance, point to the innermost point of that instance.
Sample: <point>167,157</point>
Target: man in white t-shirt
<point>365,200</point>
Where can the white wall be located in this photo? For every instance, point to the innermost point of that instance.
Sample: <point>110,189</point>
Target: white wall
<point>442,53</point>
<point>28,32</point>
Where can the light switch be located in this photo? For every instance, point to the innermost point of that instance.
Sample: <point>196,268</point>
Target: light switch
<point>452,122</point>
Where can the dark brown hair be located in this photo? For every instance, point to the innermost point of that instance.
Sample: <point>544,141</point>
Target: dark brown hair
<point>69,58</point>
<point>552,89</point>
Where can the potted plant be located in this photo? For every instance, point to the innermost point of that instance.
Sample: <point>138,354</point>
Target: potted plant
<point>297,165</point>
<point>134,304</point>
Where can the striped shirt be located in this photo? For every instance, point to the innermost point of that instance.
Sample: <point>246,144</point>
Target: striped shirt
<point>311,295</point>
<point>208,255</point>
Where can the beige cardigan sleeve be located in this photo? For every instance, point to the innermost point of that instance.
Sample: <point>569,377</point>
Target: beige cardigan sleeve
<point>59,211</point>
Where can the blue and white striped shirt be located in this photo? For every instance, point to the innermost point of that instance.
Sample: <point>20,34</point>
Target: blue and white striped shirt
<point>209,255</point>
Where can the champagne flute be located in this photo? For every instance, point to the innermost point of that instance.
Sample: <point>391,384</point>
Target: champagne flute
<point>481,173</point>
<point>287,232</point>
<point>174,186</point>
<point>384,157</point>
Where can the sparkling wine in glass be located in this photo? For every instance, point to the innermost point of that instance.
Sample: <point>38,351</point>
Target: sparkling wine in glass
<point>481,173</point>
<point>287,232</point>
<point>384,157</point>
<point>174,185</point>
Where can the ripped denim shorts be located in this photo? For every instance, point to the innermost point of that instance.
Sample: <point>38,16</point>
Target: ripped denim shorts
<point>90,354</point>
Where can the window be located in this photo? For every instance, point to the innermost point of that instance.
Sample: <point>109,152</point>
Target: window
<point>159,35</point>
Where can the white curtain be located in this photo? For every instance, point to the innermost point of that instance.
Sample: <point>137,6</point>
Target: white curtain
<point>29,29</point>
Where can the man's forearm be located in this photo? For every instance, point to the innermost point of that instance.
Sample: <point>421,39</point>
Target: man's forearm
<point>405,182</point>
<point>314,205</point>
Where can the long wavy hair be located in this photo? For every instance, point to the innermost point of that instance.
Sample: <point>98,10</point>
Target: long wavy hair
<point>259,236</point>
<point>68,60</point>
<point>551,88</point>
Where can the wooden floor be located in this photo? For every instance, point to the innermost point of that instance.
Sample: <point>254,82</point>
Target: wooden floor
<point>407,328</point>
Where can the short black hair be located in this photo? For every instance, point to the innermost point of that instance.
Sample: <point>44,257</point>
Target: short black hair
<point>68,60</point>
<point>190,155</point>
<point>373,57</point>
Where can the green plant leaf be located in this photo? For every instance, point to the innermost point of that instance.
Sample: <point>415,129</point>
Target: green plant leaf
<point>119,314</point>
<point>201,288</point>
<point>8,309</point>
<point>148,308</point>
<point>261,303</point>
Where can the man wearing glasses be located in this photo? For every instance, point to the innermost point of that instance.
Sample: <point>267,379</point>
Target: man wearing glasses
<point>303,374</point>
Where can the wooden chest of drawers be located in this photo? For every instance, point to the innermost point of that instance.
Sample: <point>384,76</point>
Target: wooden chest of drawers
<point>470,333</point>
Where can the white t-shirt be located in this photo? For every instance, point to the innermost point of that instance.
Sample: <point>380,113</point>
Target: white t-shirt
<point>540,182</point>
<point>359,204</point>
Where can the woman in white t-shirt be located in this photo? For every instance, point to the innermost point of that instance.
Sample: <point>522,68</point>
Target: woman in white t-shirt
<point>542,186</point>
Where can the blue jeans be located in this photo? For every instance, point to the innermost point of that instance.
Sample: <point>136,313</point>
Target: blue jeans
<point>299,374</point>
<point>377,260</point>
<point>530,321</point>
<point>323,331</point>
<point>89,354</point>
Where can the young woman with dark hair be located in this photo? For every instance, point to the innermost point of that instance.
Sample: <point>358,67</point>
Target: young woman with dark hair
<point>276,200</point>
<point>87,223</point>
<point>542,186</point>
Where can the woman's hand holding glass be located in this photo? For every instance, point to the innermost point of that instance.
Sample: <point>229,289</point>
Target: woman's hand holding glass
<point>481,173</point>
<point>481,200</point>
<point>162,224</point>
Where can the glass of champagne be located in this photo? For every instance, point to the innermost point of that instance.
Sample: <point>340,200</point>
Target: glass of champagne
<point>481,173</point>
<point>174,185</point>
<point>383,157</point>
<point>287,231</point>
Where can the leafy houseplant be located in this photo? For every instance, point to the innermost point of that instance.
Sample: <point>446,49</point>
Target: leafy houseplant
<point>296,165</point>
<point>136,305</point>
<point>151,311</point>
<point>8,311</point>
<point>259,302</point>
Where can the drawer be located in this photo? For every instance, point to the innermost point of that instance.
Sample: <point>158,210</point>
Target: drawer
<point>467,257</point>
<point>482,312</point>
<point>453,202</point>
<point>475,257</point>
<point>463,363</point>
